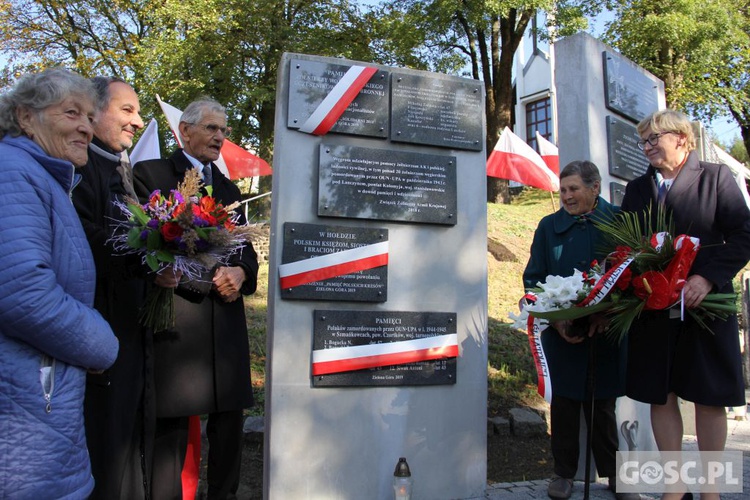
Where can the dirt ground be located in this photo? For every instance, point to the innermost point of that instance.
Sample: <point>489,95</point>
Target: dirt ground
<point>509,458</point>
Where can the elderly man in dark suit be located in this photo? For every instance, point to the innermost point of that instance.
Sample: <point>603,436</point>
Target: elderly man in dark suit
<point>202,365</point>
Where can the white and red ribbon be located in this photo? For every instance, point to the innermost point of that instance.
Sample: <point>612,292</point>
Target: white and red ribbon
<point>341,96</point>
<point>544,382</point>
<point>605,284</point>
<point>361,357</point>
<point>335,264</point>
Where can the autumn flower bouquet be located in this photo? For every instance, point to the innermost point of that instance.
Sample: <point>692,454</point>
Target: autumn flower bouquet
<point>641,274</point>
<point>185,230</point>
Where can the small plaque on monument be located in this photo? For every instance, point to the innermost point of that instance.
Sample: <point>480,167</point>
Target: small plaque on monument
<point>436,111</point>
<point>310,82</point>
<point>626,160</point>
<point>334,263</point>
<point>368,183</point>
<point>627,89</point>
<point>616,193</point>
<point>383,348</point>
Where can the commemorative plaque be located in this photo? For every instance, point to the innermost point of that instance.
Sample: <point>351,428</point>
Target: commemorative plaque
<point>616,193</point>
<point>627,90</point>
<point>349,339</point>
<point>368,183</point>
<point>310,82</point>
<point>334,263</point>
<point>436,112</point>
<point>626,161</point>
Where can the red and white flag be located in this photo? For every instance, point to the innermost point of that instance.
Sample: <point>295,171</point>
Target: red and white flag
<point>234,161</point>
<point>361,357</point>
<point>549,153</point>
<point>331,265</point>
<point>513,159</point>
<point>341,96</point>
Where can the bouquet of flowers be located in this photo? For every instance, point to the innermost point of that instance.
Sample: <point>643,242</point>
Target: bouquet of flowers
<point>640,274</point>
<point>190,232</point>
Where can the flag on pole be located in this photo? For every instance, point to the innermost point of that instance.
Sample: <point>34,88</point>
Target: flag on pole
<point>549,153</point>
<point>234,161</point>
<point>147,147</point>
<point>513,159</point>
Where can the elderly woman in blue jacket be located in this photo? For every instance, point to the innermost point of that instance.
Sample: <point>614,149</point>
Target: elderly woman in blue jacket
<point>49,333</point>
<point>563,242</point>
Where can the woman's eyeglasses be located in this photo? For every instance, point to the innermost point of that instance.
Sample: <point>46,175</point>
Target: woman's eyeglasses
<point>653,139</point>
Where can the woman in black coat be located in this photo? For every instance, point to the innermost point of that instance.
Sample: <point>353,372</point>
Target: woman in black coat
<point>669,358</point>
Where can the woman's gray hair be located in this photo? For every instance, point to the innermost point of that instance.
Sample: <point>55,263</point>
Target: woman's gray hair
<point>38,91</point>
<point>588,172</point>
<point>195,110</point>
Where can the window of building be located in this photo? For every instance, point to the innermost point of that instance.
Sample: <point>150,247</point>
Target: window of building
<point>538,118</point>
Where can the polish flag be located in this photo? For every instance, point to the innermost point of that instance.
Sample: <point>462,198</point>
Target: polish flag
<point>334,264</point>
<point>549,153</point>
<point>515,160</point>
<point>361,357</point>
<point>234,161</point>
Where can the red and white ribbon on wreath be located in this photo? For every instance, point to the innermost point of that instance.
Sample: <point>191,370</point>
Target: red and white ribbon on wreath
<point>361,357</point>
<point>605,284</point>
<point>338,99</point>
<point>534,330</point>
<point>335,264</point>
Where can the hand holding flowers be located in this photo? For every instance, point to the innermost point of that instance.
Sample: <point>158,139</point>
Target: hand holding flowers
<point>640,274</point>
<point>185,234</point>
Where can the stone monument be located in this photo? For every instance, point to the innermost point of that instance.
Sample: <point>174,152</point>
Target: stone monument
<point>601,97</point>
<point>377,300</point>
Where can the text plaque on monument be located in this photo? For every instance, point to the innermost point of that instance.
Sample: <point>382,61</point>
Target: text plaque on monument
<point>395,333</point>
<point>310,82</point>
<point>436,112</point>
<point>627,89</point>
<point>328,258</point>
<point>374,183</point>
<point>626,160</point>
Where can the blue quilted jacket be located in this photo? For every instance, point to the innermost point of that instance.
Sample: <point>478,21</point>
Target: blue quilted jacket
<point>49,333</point>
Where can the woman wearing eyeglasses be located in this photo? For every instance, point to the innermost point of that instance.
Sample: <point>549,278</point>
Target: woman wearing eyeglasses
<point>669,358</point>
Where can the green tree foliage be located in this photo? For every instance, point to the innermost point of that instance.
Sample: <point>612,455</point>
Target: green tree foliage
<point>477,39</point>
<point>92,36</point>
<point>739,151</point>
<point>186,49</point>
<point>699,48</point>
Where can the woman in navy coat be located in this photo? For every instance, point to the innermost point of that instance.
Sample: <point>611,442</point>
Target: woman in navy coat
<point>563,242</point>
<point>669,358</point>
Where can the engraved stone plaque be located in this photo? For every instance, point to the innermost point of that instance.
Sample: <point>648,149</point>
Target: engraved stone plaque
<point>310,82</point>
<point>325,255</point>
<point>626,161</point>
<point>627,90</point>
<point>436,111</point>
<point>342,329</point>
<point>616,193</point>
<point>368,183</point>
